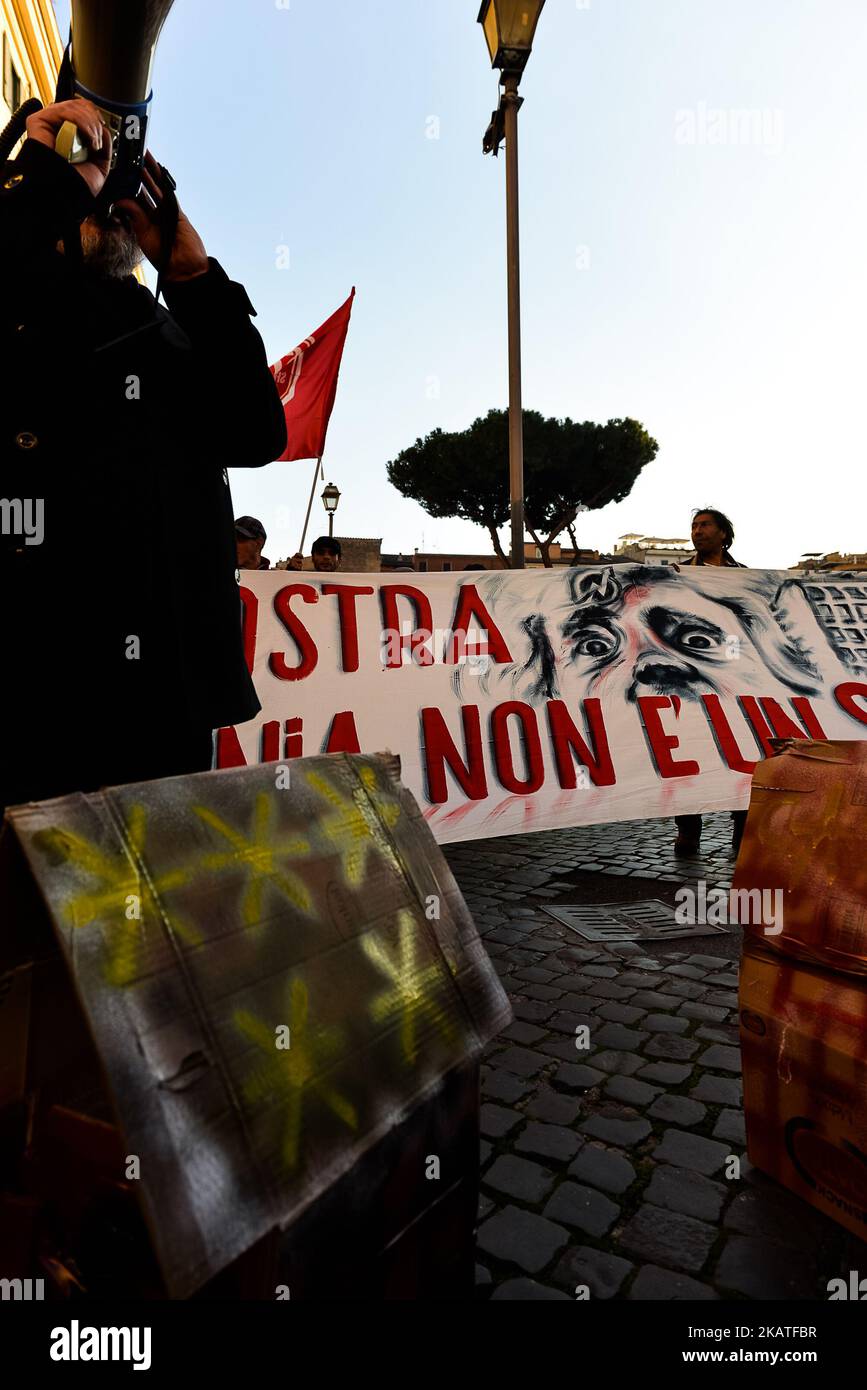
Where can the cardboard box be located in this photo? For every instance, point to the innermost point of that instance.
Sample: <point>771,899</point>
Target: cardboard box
<point>285,1002</point>
<point>805,842</point>
<point>804,1047</point>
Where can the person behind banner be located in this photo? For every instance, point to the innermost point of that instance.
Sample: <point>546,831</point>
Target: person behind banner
<point>250,537</point>
<point>713,536</point>
<point>326,555</point>
<point>122,626</point>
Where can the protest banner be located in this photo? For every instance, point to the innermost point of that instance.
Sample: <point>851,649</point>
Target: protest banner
<point>532,700</point>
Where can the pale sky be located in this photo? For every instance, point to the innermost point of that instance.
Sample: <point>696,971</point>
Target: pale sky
<point>694,227</point>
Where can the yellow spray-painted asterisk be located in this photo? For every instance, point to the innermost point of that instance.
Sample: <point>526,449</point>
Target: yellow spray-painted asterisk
<point>296,1070</point>
<point>415,986</point>
<point>346,826</point>
<point>120,884</point>
<point>262,851</point>
<point>387,804</point>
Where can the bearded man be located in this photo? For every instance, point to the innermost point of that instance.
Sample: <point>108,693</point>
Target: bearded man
<point>120,616</point>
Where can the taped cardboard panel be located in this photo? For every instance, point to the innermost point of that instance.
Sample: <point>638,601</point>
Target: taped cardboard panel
<point>201,916</point>
<point>804,1047</point>
<point>804,839</point>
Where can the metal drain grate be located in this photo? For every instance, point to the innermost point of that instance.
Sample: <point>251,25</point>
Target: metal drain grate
<point>648,921</point>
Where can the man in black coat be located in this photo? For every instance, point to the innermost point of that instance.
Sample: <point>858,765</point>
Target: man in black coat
<point>120,616</point>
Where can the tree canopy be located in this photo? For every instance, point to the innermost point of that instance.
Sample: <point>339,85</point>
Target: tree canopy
<point>568,467</point>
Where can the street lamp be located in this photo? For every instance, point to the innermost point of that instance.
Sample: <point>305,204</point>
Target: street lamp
<point>330,498</point>
<point>509,27</point>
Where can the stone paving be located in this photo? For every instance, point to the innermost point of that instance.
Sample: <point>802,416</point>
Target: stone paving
<point>606,1168</point>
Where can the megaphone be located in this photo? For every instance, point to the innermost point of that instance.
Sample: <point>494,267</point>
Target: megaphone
<point>109,60</point>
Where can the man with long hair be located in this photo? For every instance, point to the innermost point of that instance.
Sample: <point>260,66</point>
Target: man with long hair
<point>713,536</point>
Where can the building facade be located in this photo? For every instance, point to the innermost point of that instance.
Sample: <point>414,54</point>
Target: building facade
<point>31,53</point>
<point>652,550</point>
<point>426,562</point>
<point>831,563</point>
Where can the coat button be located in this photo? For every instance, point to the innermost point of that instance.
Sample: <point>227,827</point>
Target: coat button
<point>26,440</point>
<point>13,181</point>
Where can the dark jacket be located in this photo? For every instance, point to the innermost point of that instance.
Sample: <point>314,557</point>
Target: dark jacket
<point>122,418</point>
<point>729,561</point>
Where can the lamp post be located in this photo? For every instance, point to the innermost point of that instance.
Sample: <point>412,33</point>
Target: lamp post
<point>509,27</point>
<point>330,499</point>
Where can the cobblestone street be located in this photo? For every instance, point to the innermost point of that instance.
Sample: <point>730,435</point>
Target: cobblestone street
<point>607,1167</point>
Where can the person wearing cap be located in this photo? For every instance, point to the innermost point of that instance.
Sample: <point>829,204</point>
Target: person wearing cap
<point>249,539</point>
<point>326,555</point>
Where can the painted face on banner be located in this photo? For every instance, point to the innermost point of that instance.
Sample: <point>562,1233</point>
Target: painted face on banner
<point>630,631</point>
<point>663,640</point>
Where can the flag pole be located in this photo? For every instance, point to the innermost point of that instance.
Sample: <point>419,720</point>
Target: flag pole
<point>310,503</point>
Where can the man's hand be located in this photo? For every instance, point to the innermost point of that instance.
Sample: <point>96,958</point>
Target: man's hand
<point>43,127</point>
<point>188,255</point>
<point>297,562</point>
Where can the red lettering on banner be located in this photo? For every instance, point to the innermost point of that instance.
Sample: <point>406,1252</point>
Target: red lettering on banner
<point>297,631</point>
<point>846,694</point>
<point>531,747</point>
<point>271,741</point>
<point>661,743</point>
<point>725,739</point>
<point>293,746</point>
<point>569,744</point>
<point>346,594</point>
<point>439,750</point>
<point>419,640</point>
<point>249,625</point>
<point>229,751</point>
<point>471,610</point>
<point>762,732</point>
<point>805,711</point>
<point>769,720</point>
<point>343,735</point>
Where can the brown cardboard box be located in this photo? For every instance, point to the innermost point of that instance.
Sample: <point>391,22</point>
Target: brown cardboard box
<point>805,838</point>
<point>804,1046</point>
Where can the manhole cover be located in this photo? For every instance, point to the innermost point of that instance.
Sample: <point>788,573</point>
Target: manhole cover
<point>652,920</point>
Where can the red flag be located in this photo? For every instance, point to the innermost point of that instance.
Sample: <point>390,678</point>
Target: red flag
<point>307,382</point>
